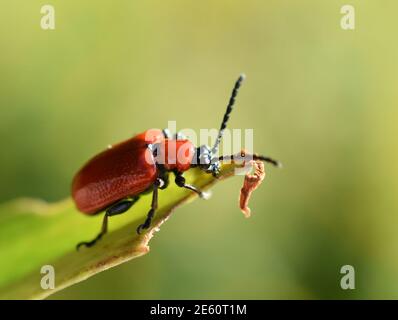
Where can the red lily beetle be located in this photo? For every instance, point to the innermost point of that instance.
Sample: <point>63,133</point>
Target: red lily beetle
<point>114,179</point>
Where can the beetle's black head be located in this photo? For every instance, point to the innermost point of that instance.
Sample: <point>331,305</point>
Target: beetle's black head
<point>204,159</point>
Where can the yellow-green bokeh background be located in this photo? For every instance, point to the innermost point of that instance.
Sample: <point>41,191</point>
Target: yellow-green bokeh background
<point>320,99</point>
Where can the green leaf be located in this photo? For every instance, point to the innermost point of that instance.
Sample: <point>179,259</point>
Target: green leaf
<point>34,233</point>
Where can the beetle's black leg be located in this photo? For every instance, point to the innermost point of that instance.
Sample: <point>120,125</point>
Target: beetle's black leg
<point>115,209</point>
<point>163,175</point>
<point>154,206</point>
<point>180,181</point>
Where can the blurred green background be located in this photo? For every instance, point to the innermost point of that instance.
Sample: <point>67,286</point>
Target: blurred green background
<point>321,99</point>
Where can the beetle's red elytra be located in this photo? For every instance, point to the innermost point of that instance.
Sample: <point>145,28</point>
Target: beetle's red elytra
<point>113,180</point>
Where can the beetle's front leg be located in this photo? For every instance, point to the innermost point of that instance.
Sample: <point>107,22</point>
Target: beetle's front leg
<point>157,184</point>
<point>180,181</point>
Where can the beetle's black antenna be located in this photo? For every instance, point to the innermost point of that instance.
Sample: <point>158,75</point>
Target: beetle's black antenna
<point>244,156</point>
<point>228,112</point>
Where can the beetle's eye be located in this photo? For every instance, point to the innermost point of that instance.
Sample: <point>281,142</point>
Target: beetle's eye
<point>204,160</point>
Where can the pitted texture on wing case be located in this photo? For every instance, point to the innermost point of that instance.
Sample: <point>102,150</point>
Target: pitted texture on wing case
<point>125,169</point>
